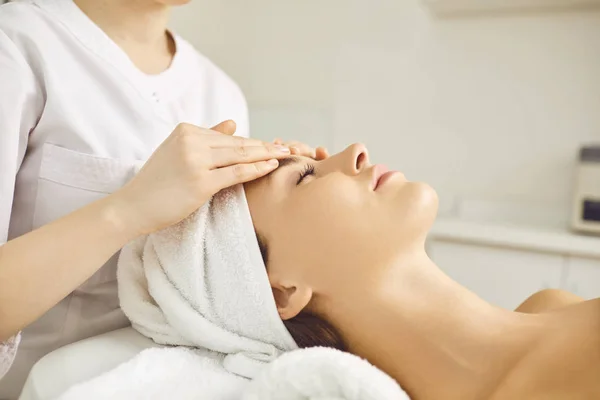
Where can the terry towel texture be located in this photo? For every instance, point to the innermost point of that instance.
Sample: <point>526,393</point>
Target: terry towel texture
<point>203,283</point>
<point>183,374</point>
<point>323,374</point>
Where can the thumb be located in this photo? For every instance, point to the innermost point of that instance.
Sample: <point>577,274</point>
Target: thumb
<point>226,127</point>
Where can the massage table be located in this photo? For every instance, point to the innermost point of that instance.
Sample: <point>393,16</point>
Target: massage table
<point>81,361</point>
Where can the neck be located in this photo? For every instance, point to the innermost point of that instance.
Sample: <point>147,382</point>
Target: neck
<point>138,27</point>
<point>137,21</point>
<point>437,339</point>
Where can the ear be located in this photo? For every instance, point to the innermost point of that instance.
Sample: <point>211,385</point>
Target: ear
<point>291,299</point>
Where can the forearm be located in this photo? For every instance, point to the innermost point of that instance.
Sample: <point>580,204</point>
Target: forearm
<point>39,269</point>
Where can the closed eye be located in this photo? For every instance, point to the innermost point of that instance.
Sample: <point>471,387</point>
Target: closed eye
<point>308,170</point>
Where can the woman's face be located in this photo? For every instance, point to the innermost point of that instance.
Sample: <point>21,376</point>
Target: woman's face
<point>337,222</point>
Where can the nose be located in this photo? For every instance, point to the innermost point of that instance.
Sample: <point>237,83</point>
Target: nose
<point>356,158</point>
<point>351,161</point>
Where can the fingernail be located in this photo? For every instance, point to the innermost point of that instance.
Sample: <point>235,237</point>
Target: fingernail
<point>295,149</point>
<point>273,162</point>
<point>282,149</point>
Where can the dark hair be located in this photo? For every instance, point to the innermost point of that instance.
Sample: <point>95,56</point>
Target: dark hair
<point>308,330</point>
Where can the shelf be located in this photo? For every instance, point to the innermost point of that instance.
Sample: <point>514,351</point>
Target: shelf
<point>495,5</point>
<point>541,239</point>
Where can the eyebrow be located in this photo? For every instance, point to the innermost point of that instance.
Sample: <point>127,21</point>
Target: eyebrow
<point>286,162</point>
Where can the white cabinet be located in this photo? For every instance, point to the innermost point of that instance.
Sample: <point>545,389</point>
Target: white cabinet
<point>582,277</point>
<point>504,263</point>
<point>502,276</point>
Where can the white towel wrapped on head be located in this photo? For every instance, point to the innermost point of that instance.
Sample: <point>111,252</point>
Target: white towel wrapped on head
<point>203,283</point>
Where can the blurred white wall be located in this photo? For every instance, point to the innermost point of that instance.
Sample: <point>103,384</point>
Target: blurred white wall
<point>482,107</point>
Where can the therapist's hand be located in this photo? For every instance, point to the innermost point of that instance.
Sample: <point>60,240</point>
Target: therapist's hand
<point>301,149</point>
<point>188,168</point>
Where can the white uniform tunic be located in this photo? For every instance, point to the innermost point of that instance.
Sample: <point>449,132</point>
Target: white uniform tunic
<point>75,116</point>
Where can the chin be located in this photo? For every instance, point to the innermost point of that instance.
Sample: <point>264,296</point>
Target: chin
<point>431,202</point>
<point>429,196</point>
<point>418,206</point>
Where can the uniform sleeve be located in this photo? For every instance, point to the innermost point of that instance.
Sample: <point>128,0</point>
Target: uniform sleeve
<point>20,108</point>
<point>8,352</point>
<point>244,129</point>
<point>242,118</point>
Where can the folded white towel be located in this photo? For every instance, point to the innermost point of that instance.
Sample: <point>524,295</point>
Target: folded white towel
<point>324,374</point>
<point>203,283</point>
<point>182,374</point>
<point>163,373</point>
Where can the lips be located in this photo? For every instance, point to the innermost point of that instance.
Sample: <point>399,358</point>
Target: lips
<point>379,171</point>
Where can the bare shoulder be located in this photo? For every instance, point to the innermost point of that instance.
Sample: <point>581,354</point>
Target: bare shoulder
<point>565,362</point>
<point>548,300</point>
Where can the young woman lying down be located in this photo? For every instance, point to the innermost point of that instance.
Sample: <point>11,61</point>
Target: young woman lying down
<point>343,241</point>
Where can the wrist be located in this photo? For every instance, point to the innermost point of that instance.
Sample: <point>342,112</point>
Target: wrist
<point>119,212</point>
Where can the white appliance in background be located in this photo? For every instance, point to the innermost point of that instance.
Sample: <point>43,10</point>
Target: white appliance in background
<point>586,202</point>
